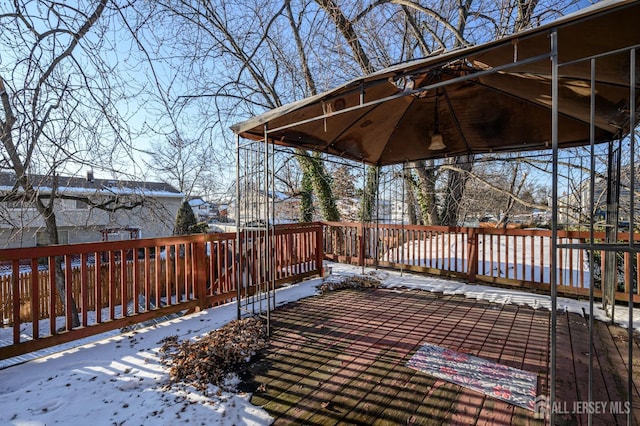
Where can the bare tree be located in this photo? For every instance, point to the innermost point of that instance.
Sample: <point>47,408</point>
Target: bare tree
<point>266,54</point>
<point>184,164</point>
<point>61,104</point>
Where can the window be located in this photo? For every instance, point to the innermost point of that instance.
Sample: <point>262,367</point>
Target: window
<point>17,204</point>
<point>14,204</point>
<point>81,205</point>
<point>42,238</point>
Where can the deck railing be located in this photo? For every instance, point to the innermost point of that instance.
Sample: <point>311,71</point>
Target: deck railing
<point>510,257</point>
<point>115,284</point>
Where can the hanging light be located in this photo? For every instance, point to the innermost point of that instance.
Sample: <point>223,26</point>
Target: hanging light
<point>437,142</point>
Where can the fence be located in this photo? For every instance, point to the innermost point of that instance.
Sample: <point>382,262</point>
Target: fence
<point>510,257</point>
<point>52,295</point>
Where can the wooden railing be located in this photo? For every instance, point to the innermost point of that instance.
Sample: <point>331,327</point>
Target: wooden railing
<point>114,284</point>
<point>510,257</point>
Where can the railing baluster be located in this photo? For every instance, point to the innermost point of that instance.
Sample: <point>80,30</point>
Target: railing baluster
<point>136,282</point>
<point>52,296</point>
<point>542,262</point>
<point>35,299</point>
<point>158,273</point>
<point>499,261</point>
<point>147,279</point>
<point>68,292</point>
<point>523,244</point>
<point>84,288</point>
<point>15,296</point>
<point>97,271</point>
<point>112,284</point>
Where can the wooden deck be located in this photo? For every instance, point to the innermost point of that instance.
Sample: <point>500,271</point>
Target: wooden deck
<point>340,358</point>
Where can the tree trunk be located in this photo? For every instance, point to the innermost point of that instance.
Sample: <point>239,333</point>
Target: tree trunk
<point>306,198</point>
<point>412,211</point>
<point>427,192</point>
<point>52,234</point>
<point>511,201</point>
<point>455,189</point>
<point>321,182</point>
<point>368,202</point>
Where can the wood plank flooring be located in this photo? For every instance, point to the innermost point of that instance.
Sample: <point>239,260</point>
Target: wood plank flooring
<point>340,358</point>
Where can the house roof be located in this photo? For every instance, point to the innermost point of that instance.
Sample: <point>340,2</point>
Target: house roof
<point>488,98</point>
<point>198,201</point>
<point>70,184</point>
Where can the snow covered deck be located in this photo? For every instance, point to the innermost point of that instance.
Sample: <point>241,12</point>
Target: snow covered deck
<point>337,358</point>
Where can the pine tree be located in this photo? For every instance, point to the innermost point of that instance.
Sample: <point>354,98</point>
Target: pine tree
<point>185,220</point>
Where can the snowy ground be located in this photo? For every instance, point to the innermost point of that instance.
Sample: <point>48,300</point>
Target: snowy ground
<point>120,380</point>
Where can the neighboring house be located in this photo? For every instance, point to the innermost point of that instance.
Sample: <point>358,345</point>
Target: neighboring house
<point>575,207</point>
<point>204,210</point>
<point>386,211</point>
<point>152,212</point>
<point>391,211</point>
<point>223,213</point>
<point>252,204</point>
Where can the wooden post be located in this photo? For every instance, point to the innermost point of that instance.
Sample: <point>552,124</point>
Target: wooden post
<point>35,298</point>
<point>201,272</point>
<point>627,273</point>
<point>319,250</point>
<point>472,254</point>
<point>123,284</point>
<point>361,241</point>
<point>15,296</point>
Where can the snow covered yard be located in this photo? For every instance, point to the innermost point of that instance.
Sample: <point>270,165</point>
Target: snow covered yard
<point>120,379</point>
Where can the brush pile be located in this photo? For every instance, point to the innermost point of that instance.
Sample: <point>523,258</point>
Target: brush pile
<point>212,358</point>
<point>334,283</point>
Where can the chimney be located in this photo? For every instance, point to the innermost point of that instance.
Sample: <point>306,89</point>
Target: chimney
<point>89,175</point>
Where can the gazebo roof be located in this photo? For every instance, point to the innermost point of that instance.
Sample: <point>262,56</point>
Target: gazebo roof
<point>487,98</point>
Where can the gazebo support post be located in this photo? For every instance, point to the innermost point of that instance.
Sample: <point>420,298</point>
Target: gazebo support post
<point>554,222</point>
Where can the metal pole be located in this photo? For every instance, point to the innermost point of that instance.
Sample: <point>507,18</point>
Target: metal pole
<point>377,231</point>
<point>272,245</point>
<point>365,208</point>
<point>238,244</point>
<point>250,216</point>
<point>402,240</point>
<point>265,255</point>
<point>554,213</point>
<point>592,194</point>
<point>632,141</point>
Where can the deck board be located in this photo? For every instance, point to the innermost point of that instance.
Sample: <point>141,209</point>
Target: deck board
<point>613,351</point>
<point>340,358</point>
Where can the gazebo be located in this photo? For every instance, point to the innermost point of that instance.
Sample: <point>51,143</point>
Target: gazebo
<point>569,83</point>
